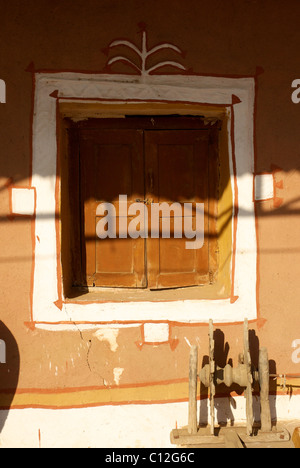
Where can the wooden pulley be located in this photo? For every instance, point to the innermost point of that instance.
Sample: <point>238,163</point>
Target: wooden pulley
<point>244,375</point>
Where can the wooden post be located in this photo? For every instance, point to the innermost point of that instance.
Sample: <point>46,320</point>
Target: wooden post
<point>192,424</point>
<point>248,391</point>
<point>212,369</point>
<point>266,423</point>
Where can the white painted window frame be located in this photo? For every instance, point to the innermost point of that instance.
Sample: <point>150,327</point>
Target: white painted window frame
<point>119,89</point>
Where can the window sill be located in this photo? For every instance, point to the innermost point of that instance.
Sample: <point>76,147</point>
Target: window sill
<point>102,295</point>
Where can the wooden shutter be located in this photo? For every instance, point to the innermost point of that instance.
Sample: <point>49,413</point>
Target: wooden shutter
<point>111,164</point>
<point>178,170</point>
<point>171,166</point>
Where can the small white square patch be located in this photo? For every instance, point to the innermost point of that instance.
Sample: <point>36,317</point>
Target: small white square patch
<point>156,332</point>
<point>264,187</point>
<point>23,201</point>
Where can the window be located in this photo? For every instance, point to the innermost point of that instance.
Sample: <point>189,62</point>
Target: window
<point>61,100</point>
<point>170,162</point>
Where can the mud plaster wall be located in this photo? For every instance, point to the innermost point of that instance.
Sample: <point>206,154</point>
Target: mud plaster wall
<point>231,38</point>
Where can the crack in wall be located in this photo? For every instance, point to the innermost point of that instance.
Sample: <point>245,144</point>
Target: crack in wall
<point>88,344</point>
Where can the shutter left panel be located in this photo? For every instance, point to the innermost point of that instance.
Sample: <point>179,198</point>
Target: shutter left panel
<point>111,165</point>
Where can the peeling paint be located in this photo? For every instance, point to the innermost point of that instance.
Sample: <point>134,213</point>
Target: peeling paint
<point>110,335</point>
<point>118,371</point>
<point>296,353</point>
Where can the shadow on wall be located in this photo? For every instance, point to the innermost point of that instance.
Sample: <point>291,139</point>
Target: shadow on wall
<point>9,371</point>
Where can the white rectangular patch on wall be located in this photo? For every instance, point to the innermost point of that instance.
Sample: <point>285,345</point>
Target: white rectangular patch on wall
<point>156,332</point>
<point>264,187</point>
<point>23,201</point>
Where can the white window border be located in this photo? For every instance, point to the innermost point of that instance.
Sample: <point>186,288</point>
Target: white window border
<point>47,306</point>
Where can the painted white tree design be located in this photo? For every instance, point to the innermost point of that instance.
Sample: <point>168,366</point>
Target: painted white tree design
<point>143,53</point>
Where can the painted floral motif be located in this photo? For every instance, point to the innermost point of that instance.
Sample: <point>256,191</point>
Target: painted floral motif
<point>143,54</point>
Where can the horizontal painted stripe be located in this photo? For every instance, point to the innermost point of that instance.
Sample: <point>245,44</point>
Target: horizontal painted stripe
<point>116,395</point>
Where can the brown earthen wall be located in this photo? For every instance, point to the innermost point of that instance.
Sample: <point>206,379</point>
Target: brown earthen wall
<point>224,38</point>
